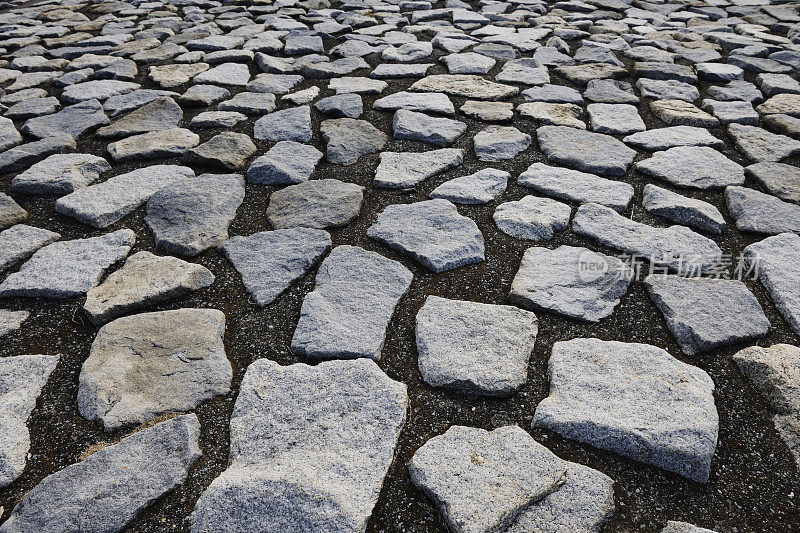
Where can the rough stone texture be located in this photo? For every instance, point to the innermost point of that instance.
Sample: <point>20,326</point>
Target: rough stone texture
<point>270,261</point>
<point>665,138</point>
<point>286,163</point>
<point>474,347</point>
<point>145,365</point>
<point>348,139</point>
<point>760,145</point>
<point>680,113</point>
<point>11,321</point>
<point>533,218</point>
<point>293,124</point>
<point>73,120</point>
<point>228,151</point>
<point>413,126</point>
<point>107,490</point>
<point>576,186</point>
<point>481,480</point>
<point>585,151</point>
<point>190,216</point>
<point>347,313</point>
<point>700,167</point>
<point>775,374</point>
<point>432,232</point>
<point>684,527</point>
<point>615,119</point>
<point>465,85</point>
<point>145,279</point>
<point>165,143</point>
<point>310,446</point>
<point>22,378</point>
<point>65,269</point>
<point>776,262</point>
<point>498,143</point>
<point>683,210</point>
<point>315,204</point>
<point>10,212</point>
<point>402,170</point>
<point>778,179</point>
<point>478,188</point>
<point>160,114</point>
<point>60,174</point>
<point>20,241</point>
<point>571,281</point>
<point>762,213</point>
<point>676,247</point>
<point>635,400</point>
<point>788,428</point>
<point>25,155</point>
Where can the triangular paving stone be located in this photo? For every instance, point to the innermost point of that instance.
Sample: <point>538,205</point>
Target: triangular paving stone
<point>775,373</point>
<point>286,163</point>
<point>402,170</point>
<point>145,279</point>
<point>189,216</point>
<point>310,447</point>
<point>635,400</point>
<point>137,471</point>
<point>142,366</point>
<point>65,269</point>
<point>481,480</point>
<point>160,114</point>
<point>576,186</point>
<point>704,313</point>
<point>432,232</point>
<point>22,378</point>
<point>20,242</point>
<point>270,261</point>
<point>699,167</point>
<point>776,262</point>
<point>315,204</point>
<point>474,347</point>
<point>347,313</point>
<point>585,151</point>
<point>478,188</point>
<point>682,209</point>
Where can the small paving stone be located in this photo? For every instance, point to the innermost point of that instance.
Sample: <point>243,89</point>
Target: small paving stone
<point>615,119</point>
<point>145,279</point>
<point>19,242</point>
<point>141,468</point>
<point>188,217</point>
<point>553,114</point>
<point>160,114</point>
<point>358,85</point>
<point>157,144</point>
<point>293,124</point>
<point>784,124</point>
<point>667,90</point>
<point>411,125</point>
<point>342,105</point>
<point>134,100</point>
<point>11,321</point>
<point>498,143</point>
<point>466,86</point>
<point>525,70</point>
<point>22,378</point>
<point>293,427</point>
<point>286,163</point>
<point>468,63</point>
<point>249,103</point>
<point>349,139</point>
<point>585,151</point>
<point>474,347</point>
<point>576,186</point>
<point>478,188</point>
<point>635,400</point>
<point>732,112</point>
<point>228,151</point>
<point>10,211</point>
<point>760,145</point>
<point>778,179</point>
<point>532,218</point>
<point>683,210</point>
<point>34,107</point>
<point>145,365</point>
<point>9,136</point>
<point>488,111</point>
<point>680,113</point>
<point>583,74</point>
<point>762,213</point>
<point>347,313</point>
<point>386,71</point>
<point>27,154</point>
<point>571,281</point>
<point>676,247</point>
<point>236,74</point>
<point>432,232</point>
<point>270,261</point>
<point>610,92</point>
<point>423,102</point>
<point>274,83</point>
<point>97,90</point>
<point>315,204</point>
<point>776,260</point>
<point>481,480</point>
<point>402,170</point>
<point>553,93</point>
<point>74,120</point>
<point>717,72</point>
<point>704,314</point>
<point>65,269</point>
<point>670,137</point>
<point>217,119</point>
<point>60,174</point>
<point>775,374</point>
<point>736,90</point>
<point>699,167</point>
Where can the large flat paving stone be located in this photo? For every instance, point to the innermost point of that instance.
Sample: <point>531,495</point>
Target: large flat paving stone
<point>577,186</point>
<point>153,145</point>
<point>286,163</point>
<point>635,400</point>
<point>585,151</point>
<point>532,218</point>
<point>315,204</point>
<point>776,262</point>
<point>60,174</point>
<point>683,210</point>
<point>403,170</point>
<point>700,167</point>
<point>348,139</point>
<point>760,212</point>
<point>480,187</point>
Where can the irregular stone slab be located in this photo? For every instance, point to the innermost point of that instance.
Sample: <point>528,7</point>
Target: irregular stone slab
<point>498,143</point>
<point>348,139</point>
<point>553,114</point>
<point>11,321</point>
<point>667,90</point>
<point>699,167</point>
<point>775,373</point>
<point>432,232</point>
<point>415,126</point>
<point>74,120</point>
<point>437,103</point>
<point>20,241</point>
<point>676,247</point>
<point>680,113</point>
<point>341,105</point>
<point>525,70</point>
<point>670,137</point>
<point>60,174</point>
<point>237,74</point>
<point>403,170</point>
<point>274,83</point>
<point>286,163</point>
<point>571,281</point>
<point>635,400</point>
<point>166,143</point>
<point>704,314</point>
<point>776,261</point>
<point>684,527</point>
<point>22,378</point>
<point>102,204</point>
<point>270,261</point>
<point>228,151</point>
<point>65,269</point>
<point>97,90</point>
<point>762,213</point>
<point>488,111</point>
<point>778,179</point>
<point>581,505</point>
<point>315,204</point>
<point>788,428</point>
<point>25,155</point>
<point>293,124</point>
<point>585,151</point>
<point>533,218</point>
<point>610,92</point>
<point>478,188</point>
<point>137,471</point>
<point>760,145</point>
<point>615,119</point>
<point>144,280</point>
<point>474,347</point>
<point>728,112</point>
<point>583,74</point>
<point>136,99</point>
<point>160,114</point>
<point>464,85</point>
<point>481,480</point>
<point>576,186</point>
<point>310,447</point>
<point>358,85</point>
<point>736,90</point>
<point>247,103</point>
<point>9,136</point>
<point>145,365</point>
<point>347,313</point>
<point>683,210</point>
<point>188,217</point>
<point>386,71</point>
<point>10,211</point>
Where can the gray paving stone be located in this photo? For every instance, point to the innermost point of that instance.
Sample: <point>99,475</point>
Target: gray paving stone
<point>437,103</point>
<point>160,114</point>
<point>576,186</point>
<point>670,137</point>
<point>25,155</point>
<point>402,170</point>
<point>11,321</point>
<point>465,85</point>
<point>226,151</point>
<point>585,151</point>
<point>315,204</point>
<point>553,114</point>
<point>10,211</point>
<point>699,167</point>
<point>778,179</point>
<point>293,124</point>
<point>683,210</point>
<point>157,144</point>
<point>60,174</point>
<point>532,218</point>
<point>615,119</point>
<point>775,261</point>
<point>347,139</point>
<point>477,188</point>
<point>286,163</point>
<point>762,213</point>
<point>499,143</point>
<point>20,241</point>
<point>760,145</point>
<point>774,373</point>
<point>679,113</point>
<point>410,125</point>
<point>74,120</point>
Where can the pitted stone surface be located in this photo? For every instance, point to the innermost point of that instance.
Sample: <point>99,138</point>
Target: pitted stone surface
<point>776,261</point>
<point>402,170</point>
<point>584,151</point>
<point>315,204</point>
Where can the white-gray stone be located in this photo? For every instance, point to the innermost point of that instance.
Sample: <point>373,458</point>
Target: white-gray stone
<point>165,143</point>
<point>293,124</point>
<point>670,137</point>
<point>348,139</point>
<point>19,242</point>
<point>286,163</point>
<point>576,186</point>
<point>60,174</point>
<point>410,125</point>
<point>315,204</point>
<point>403,170</point>
<point>699,167</point>
<point>775,373</point>
<point>585,151</point>
<point>533,218</point>
<point>498,143</point>
<point>760,212</point>
<point>776,262</point>
<point>477,188</point>
<point>682,209</point>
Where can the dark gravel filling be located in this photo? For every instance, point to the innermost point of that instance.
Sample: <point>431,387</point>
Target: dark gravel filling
<point>753,478</point>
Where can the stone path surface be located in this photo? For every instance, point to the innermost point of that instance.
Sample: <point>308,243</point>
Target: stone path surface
<point>399,265</point>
